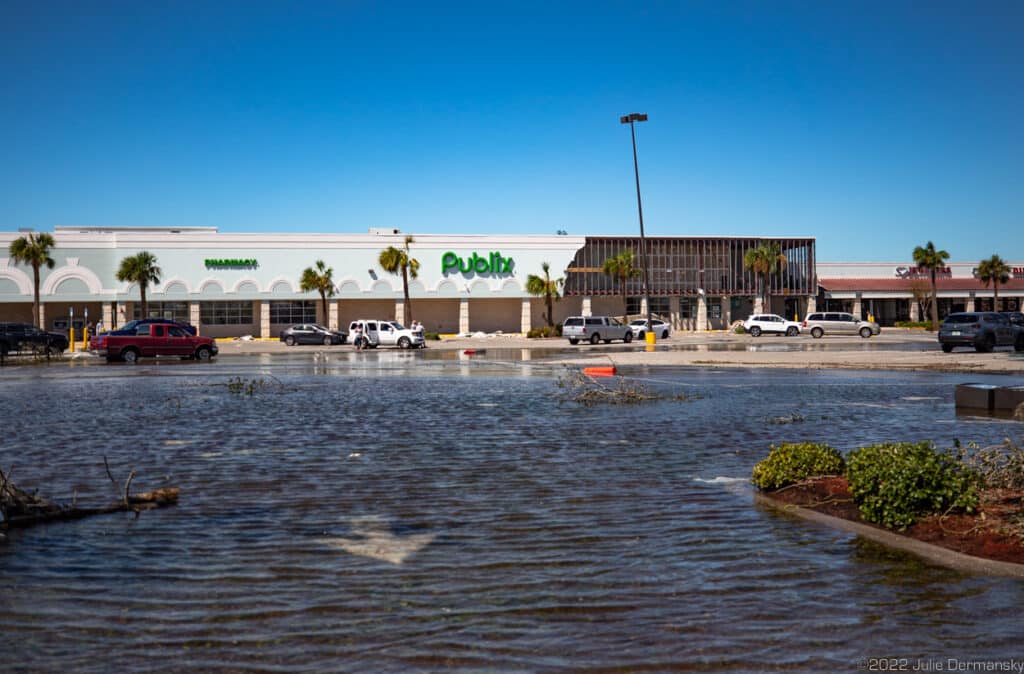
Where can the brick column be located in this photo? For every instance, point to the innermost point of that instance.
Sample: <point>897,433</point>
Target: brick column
<point>812,305</point>
<point>525,316</point>
<point>332,310</point>
<point>726,311</point>
<point>264,319</point>
<point>970,302</point>
<point>193,315</point>
<point>675,320</point>
<point>464,314</point>
<point>585,304</point>
<point>915,311</point>
<point>702,313</point>
<point>42,315</point>
<point>400,311</point>
<point>758,305</point>
<point>108,315</point>
<point>857,306</point>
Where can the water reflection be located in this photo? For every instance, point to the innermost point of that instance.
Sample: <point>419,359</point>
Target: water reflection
<point>395,513</point>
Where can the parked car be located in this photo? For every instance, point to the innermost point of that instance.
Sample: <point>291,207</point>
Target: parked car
<point>770,323</point>
<point>1016,317</point>
<point>984,330</point>
<point>823,323</point>
<point>595,329</point>
<point>20,337</point>
<point>311,333</point>
<point>387,333</point>
<point>129,327</point>
<point>639,328</point>
<point>152,340</point>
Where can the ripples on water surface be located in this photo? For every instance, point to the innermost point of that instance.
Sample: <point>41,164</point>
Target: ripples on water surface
<point>439,516</point>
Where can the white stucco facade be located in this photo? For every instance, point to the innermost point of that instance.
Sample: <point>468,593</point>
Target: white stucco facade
<point>208,271</point>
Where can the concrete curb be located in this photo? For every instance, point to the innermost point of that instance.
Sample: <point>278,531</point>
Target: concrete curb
<point>932,553</point>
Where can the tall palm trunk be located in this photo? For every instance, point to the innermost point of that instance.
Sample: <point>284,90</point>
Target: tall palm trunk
<point>405,290</point>
<point>142,296</point>
<point>625,303</point>
<point>35,301</point>
<point>935,302</point>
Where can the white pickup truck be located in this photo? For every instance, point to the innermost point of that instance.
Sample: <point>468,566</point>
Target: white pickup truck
<point>386,333</point>
<point>595,329</point>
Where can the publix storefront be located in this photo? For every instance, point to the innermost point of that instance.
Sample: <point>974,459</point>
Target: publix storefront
<point>232,285</point>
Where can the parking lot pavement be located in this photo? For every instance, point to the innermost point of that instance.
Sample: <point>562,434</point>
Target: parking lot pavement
<point>894,349</point>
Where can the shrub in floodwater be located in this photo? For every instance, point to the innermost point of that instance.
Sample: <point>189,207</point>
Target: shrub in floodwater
<point>896,483</point>
<point>792,462</point>
<point>1000,466</point>
<point>545,331</point>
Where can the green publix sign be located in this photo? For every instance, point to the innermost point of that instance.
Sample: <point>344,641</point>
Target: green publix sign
<point>494,263</point>
<point>249,263</point>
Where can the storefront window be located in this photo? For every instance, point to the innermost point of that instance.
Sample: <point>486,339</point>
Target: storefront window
<point>660,306</point>
<point>633,305</point>
<point>225,313</point>
<point>298,311</point>
<point>686,307</point>
<point>173,311</point>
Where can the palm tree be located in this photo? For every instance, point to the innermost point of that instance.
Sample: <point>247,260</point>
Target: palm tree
<point>932,260</point>
<point>621,267</point>
<point>140,268</point>
<point>764,261</point>
<point>995,271</point>
<point>546,286</point>
<point>34,250</point>
<point>398,261</point>
<point>319,279</point>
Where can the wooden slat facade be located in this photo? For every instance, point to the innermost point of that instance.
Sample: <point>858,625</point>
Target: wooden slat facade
<point>682,265</point>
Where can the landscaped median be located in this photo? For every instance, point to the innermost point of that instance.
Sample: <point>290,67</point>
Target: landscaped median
<point>963,507</point>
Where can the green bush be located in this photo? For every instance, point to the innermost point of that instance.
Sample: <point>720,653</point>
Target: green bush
<point>790,463</point>
<point>923,325</point>
<point>739,329</point>
<point>545,331</point>
<point>896,483</point>
<point>431,336</point>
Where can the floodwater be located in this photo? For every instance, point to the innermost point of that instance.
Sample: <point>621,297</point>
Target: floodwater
<point>407,514</point>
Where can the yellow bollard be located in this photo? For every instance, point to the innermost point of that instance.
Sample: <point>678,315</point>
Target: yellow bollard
<point>71,340</point>
<point>650,337</point>
<point>85,338</point>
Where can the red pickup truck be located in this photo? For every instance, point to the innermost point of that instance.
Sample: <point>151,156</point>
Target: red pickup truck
<point>153,339</point>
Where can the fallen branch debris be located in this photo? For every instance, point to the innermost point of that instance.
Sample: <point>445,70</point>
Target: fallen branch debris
<point>20,509</point>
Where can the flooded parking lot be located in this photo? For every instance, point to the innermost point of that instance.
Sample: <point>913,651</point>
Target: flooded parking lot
<point>405,512</point>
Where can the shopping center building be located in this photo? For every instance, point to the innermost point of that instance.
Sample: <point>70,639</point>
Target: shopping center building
<point>248,284</point>
<point>232,285</point>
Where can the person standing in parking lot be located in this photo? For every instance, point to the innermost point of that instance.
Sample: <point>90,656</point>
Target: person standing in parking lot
<point>357,339</point>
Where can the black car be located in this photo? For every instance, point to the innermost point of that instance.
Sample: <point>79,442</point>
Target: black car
<point>129,327</point>
<point>984,330</point>
<point>24,337</point>
<point>311,333</point>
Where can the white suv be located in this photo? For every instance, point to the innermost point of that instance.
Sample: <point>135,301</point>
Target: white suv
<point>759,323</point>
<point>387,333</point>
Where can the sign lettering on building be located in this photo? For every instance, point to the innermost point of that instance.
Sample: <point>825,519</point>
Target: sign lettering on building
<point>231,263</point>
<point>920,272</point>
<point>494,263</point>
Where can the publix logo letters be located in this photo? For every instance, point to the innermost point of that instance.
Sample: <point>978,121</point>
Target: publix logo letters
<point>492,264</point>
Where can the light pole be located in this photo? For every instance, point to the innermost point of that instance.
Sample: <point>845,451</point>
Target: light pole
<point>631,119</point>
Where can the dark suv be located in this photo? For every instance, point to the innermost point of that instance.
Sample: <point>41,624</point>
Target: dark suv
<point>25,337</point>
<point>1016,317</point>
<point>984,330</point>
<point>130,327</point>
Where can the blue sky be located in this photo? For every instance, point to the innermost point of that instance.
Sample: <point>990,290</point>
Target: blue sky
<point>873,126</point>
